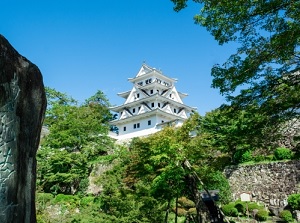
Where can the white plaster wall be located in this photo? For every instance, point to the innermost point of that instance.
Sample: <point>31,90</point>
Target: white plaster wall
<point>143,125</point>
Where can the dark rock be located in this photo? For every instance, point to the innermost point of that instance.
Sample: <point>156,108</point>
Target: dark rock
<point>22,108</point>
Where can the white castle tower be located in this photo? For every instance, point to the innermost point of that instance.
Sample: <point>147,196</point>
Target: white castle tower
<point>152,103</point>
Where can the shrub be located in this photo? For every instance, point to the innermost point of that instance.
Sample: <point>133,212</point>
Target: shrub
<point>253,205</point>
<point>240,207</point>
<point>230,210</point>
<point>286,215</point>
<point>70,199</point>
<point>242,156</point>
<point>282,153</point>
<point>262,215</point>
<point>261,158</point>
<point>247,157</point>
<point>294,201</point>
<point>44,197</point>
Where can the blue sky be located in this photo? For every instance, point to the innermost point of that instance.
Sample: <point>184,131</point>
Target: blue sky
<point>83,46</point>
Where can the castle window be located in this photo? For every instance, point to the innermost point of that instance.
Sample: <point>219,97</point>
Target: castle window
<point>137,95</point>
<point>133,110</point>
<point>174,110</point>
<point>151,91</point>
<point>158,104</point>
<point>148,81</point>
<point>134,126</point>
<point>138,125</point>
<point>124,128</point>
<point>149,122</point>
<point>152,104</point>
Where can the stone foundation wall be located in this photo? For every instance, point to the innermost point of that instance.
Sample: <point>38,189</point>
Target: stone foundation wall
<point>269,183</point>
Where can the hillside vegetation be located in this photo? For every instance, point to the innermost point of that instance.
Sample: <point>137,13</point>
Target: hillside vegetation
<point>153,179</point>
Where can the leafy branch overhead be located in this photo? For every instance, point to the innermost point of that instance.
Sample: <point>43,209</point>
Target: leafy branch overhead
<point>266,65</point>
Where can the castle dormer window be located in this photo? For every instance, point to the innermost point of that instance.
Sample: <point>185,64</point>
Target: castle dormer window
<point>151,91</point>
<point>133,110</point>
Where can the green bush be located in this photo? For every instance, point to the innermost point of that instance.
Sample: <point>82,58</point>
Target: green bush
<point>282,153</point>
<point>216,179</point>
<point>241,207</point>
<point>286,215</point>
<point>294,201</point>
<point>242,156</point>
<point>247,157</point>
<point>253,205</point>
<point>66,199</point>
<point>230,210</point>
<point>261,158</point>
<point>44,197</point>
<point>262,215</point>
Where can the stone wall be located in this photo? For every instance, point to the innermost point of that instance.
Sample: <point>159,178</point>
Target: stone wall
<point>269,183</point>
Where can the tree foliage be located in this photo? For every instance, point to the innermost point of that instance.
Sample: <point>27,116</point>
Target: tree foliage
<point>78,135</point>
<point>160,162</point>
<point>266,64</point>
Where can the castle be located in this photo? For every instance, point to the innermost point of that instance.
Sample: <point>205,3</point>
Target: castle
<point>152,103</point>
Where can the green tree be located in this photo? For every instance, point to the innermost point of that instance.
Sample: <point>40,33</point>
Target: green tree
<point>230,131</point>
<point>172,163</point>
<point>79,128</point>
<point>78,135</point>
<point>60,171</point>
<point>266,64</point>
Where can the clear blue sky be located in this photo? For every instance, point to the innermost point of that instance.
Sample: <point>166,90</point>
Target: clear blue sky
<point>82,46</point>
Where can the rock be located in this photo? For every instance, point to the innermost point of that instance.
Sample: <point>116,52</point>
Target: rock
<point>22,108</point>
<point>296,214</point>
<point>254,213</point>
<point>274,211</point>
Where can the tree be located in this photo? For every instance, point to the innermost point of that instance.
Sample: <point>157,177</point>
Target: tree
<point>160,160</point>
<point>78,135</point>
<point>76,127</point>
<point>266,65</point>
<point>231,130</point>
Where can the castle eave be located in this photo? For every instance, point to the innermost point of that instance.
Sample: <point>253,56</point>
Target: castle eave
<point>146,114</point>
